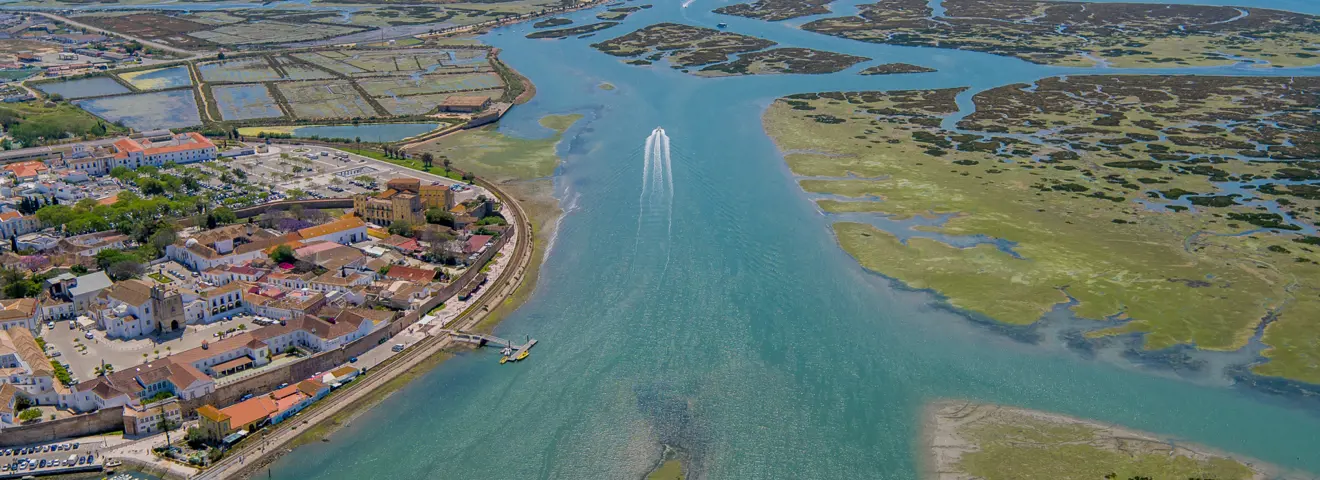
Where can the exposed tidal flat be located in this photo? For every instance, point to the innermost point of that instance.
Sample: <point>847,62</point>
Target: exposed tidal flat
<point>965,440</point>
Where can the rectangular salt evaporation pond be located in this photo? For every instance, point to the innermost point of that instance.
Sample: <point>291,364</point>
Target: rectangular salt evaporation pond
<point>254,69</point>
<point>147,111</point>
<point>83,88</point>
<point>159,79</point>
<point>245,102</point>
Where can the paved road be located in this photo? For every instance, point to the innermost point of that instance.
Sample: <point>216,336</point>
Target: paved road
<point>274,439</point>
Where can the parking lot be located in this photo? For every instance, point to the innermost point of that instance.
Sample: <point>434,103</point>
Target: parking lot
<point>56,457</point>
<point>319,171</point>
<point>83,355</point>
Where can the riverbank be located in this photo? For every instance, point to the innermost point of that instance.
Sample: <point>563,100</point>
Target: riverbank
<point>963,440</point>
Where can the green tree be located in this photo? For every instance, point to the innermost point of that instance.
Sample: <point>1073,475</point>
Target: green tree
<point>401,228</point>
<point>78,270</point>
<point>29,415</point>
<point>427,160</point>
<point>224,216</point>
<point>439,216</point>
<point>283,254</point>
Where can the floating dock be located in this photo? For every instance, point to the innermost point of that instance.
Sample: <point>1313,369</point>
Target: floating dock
<point>510,351</point>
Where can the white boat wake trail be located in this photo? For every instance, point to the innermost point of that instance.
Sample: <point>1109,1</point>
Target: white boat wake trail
<point>657,197</point>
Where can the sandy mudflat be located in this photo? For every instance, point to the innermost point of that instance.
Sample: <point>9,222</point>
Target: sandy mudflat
<point>950,432</point>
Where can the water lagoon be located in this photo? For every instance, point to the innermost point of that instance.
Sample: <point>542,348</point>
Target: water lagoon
<point>245,102</point>
<point>84,88</point>
<point>159,79</point>
<point>147,111</point>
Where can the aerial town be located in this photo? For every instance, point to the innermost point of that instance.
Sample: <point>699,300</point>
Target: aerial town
<point>888,239</point>
<point>227,320</point>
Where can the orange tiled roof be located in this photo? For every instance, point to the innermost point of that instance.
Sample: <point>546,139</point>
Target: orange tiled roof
<point>332,227</point>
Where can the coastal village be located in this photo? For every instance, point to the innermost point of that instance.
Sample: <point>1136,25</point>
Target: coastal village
<point>236,321</point>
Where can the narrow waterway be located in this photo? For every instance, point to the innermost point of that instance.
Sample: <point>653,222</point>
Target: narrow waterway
<point>719,316</point>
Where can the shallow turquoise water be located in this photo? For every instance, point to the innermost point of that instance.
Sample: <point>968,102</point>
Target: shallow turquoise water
<point>85,87</point>
<point>147,111</point>
<point>164,78</point>
<point>719,316</point>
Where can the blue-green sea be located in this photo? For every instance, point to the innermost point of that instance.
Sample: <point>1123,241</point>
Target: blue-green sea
<point>718,316</point>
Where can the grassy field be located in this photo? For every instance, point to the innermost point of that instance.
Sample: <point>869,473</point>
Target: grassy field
<point>39,122</point>
<point>1180,277</point>
<point>499,158</point>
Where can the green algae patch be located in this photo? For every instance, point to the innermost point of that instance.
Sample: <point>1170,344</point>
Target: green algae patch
<point>1110,238</point>
<point>607,86</point>
<point>670,470</point>
<point>967,440</point>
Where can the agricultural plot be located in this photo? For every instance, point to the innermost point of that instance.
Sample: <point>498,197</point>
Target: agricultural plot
<point>421,104</point>
<point>424,84</point>
<point>171,30</point>
<point>147,111</point>
<point>158,79</point>
<point>245,102</point>
<point>84,88</point>
<point>251,69</point>
<point>325,99</point>
<point>267,32</point>
<point>213,18</point>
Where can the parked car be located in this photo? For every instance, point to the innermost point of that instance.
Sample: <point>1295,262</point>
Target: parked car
<point>88,335</point>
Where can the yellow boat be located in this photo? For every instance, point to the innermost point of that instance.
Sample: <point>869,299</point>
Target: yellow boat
<point>504,359</point>
<point>523,354</point>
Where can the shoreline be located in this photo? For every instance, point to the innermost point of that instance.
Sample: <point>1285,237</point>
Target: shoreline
<point>323,418</point>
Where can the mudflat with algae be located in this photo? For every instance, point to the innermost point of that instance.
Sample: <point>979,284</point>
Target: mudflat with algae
<point>1072,33</point>
<point>1144,200</point>
<point>965,441</point>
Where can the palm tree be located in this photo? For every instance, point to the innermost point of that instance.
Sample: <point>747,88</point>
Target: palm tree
<point>104,369</point>
<point>427,160</point>
<point>164,424</point>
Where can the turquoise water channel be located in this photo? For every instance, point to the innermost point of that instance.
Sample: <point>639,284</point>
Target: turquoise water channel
<point>717,315</point>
